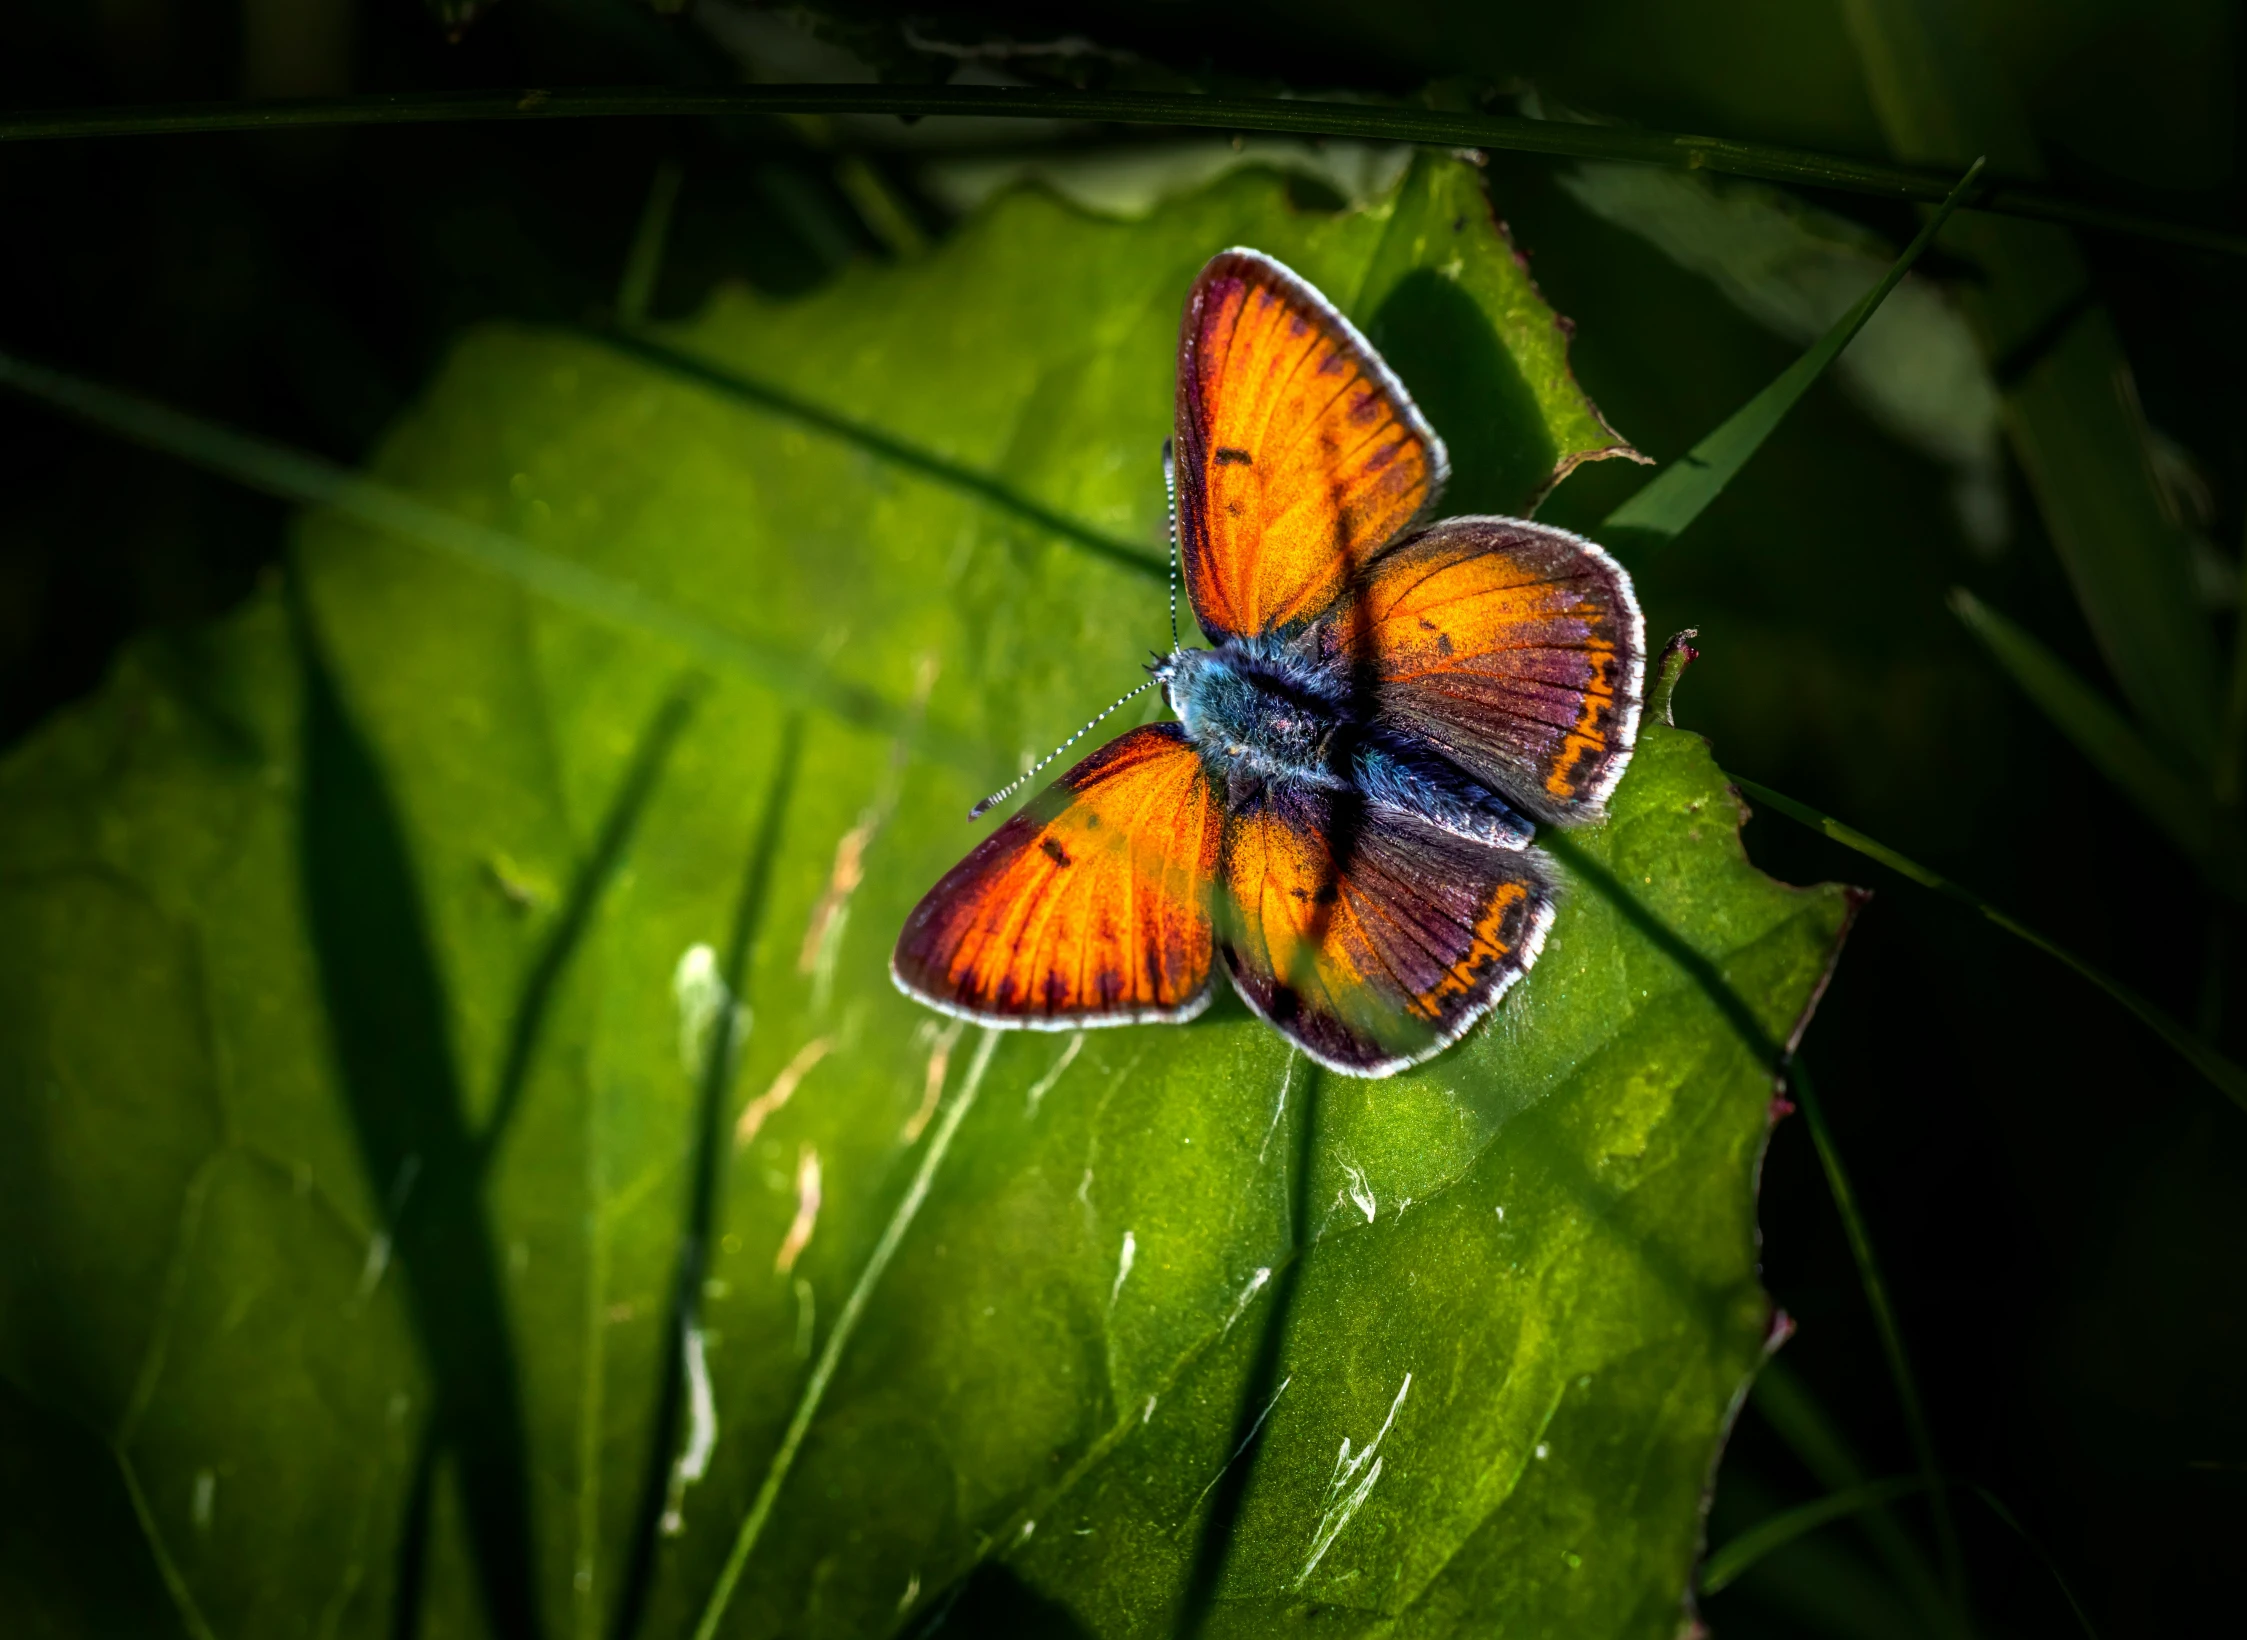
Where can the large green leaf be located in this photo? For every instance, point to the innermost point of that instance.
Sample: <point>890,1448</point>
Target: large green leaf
<point>433,1015</point>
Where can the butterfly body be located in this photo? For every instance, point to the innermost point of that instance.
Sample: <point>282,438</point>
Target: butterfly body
<point>1341,816</point>
<point>1269,716</point>
<point>1258,715</point>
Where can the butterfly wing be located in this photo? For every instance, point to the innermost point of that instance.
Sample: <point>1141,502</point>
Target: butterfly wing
<point>1514,649</point>
<point>1365,935</point>
<point>1089,907</point>
<point>1298,455</point>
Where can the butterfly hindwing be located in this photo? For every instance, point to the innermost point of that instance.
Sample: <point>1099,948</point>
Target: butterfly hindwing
<point>1513,649</point>
<point>1298,454</point>
<point>1367,936</point>
<point>1091,906</point>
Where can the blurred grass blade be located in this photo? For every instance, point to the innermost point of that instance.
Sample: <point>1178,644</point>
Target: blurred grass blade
<point>1367,121</point>
<point>635,292</point>
<point>1785,1403</point>
<point>2227,1076</point>
<point>292,475</point>
<point>878,206</point>
<point>1725,1566</point>
<point>2176,805</point>
<point>1891,1330</point>
<point>899,452</point>
<point>1679,493</point>
<point>2071,403</point>
<point>1997,1508</point>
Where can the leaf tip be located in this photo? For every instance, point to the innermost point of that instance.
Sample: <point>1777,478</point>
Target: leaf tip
<point>1677,655</point>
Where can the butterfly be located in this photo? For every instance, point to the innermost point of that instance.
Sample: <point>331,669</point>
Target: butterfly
<point>1341,815</point>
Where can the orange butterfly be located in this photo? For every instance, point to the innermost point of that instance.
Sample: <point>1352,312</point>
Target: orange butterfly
<point>1343,810</point>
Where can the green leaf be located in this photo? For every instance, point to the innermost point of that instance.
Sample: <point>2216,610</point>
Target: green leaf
<point>436,1009</point>
<point>1679,494</point>
<point>2177,806</point>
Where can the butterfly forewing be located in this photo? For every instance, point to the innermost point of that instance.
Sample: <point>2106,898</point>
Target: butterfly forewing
<point>1298,454</point>
<point>1513,649</point>
<point>1367,936</point>
<point>1091,906</point>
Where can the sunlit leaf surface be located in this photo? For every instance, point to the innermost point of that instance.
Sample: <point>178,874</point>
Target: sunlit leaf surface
<point>454,1085</point>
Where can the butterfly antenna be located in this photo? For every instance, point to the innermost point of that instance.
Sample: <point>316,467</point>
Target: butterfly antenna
<point>1008,790</point>
<point>1170,506</point>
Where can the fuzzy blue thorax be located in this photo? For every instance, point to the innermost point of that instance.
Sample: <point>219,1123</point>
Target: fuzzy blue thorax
<point>1254,717</point>
<point>1271,718</point>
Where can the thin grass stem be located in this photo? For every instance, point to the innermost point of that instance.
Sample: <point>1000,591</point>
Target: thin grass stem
<point>2067,1590</point>
<point>2220,1070</point>
<point>1677,495</point>
<point>643,267</point>
<point>1775,1532</point>
<point>846,1324</point>
<point>1310,117</point>
<point>1891,1331</point>
<point>2179,805</point>
<point>1728,1564</point>
<point>1786,1403</point>
<point>307,480</point>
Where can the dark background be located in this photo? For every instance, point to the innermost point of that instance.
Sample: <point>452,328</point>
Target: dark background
<point>2057,1200</point>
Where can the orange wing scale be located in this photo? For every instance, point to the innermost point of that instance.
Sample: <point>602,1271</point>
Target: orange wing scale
<point>1378,963</point>
<point>1298,454</point>
<point>1091,906</point>
<point>1513,648</point>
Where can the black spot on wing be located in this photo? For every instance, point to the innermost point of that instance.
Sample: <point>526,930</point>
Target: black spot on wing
<point>1054,851</point>
<point>1228,456</point>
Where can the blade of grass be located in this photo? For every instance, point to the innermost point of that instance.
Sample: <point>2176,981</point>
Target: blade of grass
<point>2175,804</point>
<point>2220,1070</point>
<point>1794,1414</point>
<point>292,475</point>
<point>1890,1329</point>
<point>2072,414</point>
<point>748,390</point>
<point>1775,1532</point>
<point>1728,1564</point>
<point>307,480</point>
<point>1997,1508</point>
<point>1678,494</point>
<point>1375,122</point>
<point>878,206</point>
<point>636,290</point>
<point>846,1324</point>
